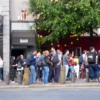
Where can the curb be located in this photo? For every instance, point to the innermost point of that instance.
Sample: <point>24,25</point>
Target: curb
<point>51,86</point>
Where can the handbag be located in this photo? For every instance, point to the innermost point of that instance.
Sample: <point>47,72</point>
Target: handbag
<point>19,66</point>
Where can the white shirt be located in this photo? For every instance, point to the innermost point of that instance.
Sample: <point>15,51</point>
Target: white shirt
<point>1,64</point>
<point>60,58</point>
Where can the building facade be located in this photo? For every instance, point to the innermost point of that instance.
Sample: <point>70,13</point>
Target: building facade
<point>17,30</point>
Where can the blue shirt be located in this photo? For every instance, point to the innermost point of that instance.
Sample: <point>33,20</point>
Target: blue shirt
<point>33,60</point>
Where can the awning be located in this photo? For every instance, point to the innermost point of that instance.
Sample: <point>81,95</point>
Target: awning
<point>24,38</point>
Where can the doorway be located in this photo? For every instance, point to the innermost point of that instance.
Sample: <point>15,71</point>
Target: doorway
<point>78,51</point>
<point>18,52</point>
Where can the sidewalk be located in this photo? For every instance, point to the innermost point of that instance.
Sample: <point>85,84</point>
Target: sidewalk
<point>69,84</point>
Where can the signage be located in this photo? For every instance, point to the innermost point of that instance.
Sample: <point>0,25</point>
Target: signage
<point>23,38</point>
<point>29,41</point>
<point>24,41</point>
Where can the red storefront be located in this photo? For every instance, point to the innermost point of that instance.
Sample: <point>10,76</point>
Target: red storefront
<point>74,44</point>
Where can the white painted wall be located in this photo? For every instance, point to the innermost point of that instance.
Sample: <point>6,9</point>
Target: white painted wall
<point>17,6</point>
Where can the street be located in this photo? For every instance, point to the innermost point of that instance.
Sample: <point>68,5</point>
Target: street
<point>50,94</point>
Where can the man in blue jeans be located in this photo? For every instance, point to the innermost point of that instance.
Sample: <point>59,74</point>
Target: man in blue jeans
<point>56,60</point>
<point>32,68</point>
<point>45,71</point>
<point>92,60</point>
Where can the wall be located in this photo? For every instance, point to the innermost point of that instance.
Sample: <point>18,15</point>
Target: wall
<point>16,9</point>
<point>4,7</point>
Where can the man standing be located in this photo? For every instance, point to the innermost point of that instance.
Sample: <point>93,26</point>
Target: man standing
<point>32,67</point>
<point>56,60</point>
<point>65,62</point>
<point>91,59</point>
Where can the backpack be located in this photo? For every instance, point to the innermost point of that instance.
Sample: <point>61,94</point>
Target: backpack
<point>91,58</point>
<point>99,58</point>
<point>81,59</point>
<point>55,59</point>
<point>41,63</point>
<point>28,62</point>
<point>19,66</point>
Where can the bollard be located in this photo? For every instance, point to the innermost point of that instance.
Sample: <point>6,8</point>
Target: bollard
<point>19,77</point>
<point>26,76</point>
<point>73,75</point>
<point>7,81</point>
<point>62,75</point>
<point>87,75</point>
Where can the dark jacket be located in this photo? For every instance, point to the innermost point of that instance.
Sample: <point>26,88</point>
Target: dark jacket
<point>99,58</point>
<point>33,60</point>
<point>47,60</point>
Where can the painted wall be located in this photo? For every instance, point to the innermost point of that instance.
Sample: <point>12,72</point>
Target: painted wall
<point>16,9</point>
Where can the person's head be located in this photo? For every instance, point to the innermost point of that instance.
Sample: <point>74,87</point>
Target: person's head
<point>18,58</point>
<point>92,49</point>
<point>70,56</point>
<point>21,56</point>
<point>53,50</point>
<point>58,51</point>
<point>34,52</point>
<point>76,57</point>
<point>13,57</point>
<point>43,52</point>
<point>84,51</point>
<point>46,53</point>
<point>38,54</point>
<point>67,52</point>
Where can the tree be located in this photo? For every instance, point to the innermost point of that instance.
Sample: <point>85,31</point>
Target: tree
<point>65,17</point>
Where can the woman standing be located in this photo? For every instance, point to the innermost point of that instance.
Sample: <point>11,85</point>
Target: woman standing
<point>71,65</point>
<point>76,66</point>
<point>1,68</point>
<point>13,68</point>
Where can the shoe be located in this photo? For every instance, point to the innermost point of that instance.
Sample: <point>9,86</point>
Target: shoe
<point>13,82</point>
<point>47,84</point>
<point>95,80</point>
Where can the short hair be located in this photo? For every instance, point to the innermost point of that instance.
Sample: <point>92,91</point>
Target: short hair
<point>91,48</point>
<point>66,51</point>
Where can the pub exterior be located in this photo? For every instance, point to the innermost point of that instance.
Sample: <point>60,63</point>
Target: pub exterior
<point>17,31</point>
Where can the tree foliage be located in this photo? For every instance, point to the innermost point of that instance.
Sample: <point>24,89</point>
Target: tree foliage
<point>65,17</point>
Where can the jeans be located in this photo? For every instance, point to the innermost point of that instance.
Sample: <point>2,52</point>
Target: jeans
<point>1,76</point>
<point>67,69</point>
<point>71,68</point>
<point>57,73</point>
<point>93,71</point>
<point>45,74</point>
<point>32,74</point>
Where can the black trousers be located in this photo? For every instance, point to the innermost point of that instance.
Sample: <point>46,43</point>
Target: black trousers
<point>12,73</point>
<point>51,73</point>
<point>57,73</point>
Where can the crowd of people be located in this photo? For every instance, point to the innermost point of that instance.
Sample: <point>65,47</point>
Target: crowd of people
<point>45,67</point>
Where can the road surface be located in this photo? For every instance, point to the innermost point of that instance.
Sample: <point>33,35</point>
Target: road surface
<point>51,94</point>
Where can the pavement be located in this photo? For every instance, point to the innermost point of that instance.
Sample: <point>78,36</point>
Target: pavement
<point>68,84</point>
